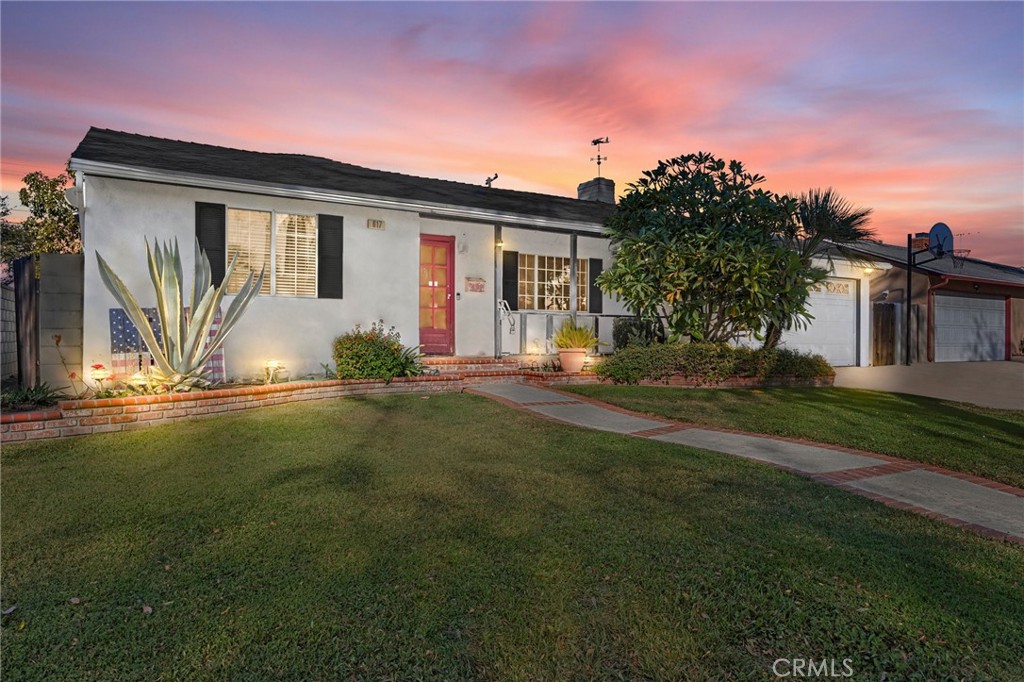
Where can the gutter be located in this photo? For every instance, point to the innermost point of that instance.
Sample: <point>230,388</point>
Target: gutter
<point>443,211</point>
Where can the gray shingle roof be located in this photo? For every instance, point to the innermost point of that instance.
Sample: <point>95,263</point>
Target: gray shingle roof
<point>973,268</point>
<point>314,172</point>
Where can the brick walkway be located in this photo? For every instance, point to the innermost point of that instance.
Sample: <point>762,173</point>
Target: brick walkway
<point>983,506</point>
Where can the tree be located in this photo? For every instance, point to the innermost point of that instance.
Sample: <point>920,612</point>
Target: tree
<point>14,243</point>
<point>52,224</point>
<point>696,243</point>
<point>823,219</point>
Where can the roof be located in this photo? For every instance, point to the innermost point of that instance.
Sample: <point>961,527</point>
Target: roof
<point>973,268</point>
<point>314,172</point>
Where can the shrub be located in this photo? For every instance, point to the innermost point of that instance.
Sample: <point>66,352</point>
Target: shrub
<point>30,398</point>
<point>570,335</point>
<point>375,353</point>
<point>707,363</point>
<point>634,331</point>
<point>790,363</point>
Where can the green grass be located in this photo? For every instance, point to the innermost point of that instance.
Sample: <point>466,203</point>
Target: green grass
<point>961,437</point>
<point>452,538</point>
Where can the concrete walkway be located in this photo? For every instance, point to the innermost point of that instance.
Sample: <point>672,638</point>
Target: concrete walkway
<point>988,384</point>
<point>984,506</point>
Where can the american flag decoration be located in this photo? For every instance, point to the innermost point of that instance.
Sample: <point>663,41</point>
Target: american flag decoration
<point>128,352</point>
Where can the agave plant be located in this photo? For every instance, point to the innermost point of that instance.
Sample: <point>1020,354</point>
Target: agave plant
<point>180,359</point>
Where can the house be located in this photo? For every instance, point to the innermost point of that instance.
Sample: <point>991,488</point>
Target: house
<point>459,269</point>
<point>962,309</point>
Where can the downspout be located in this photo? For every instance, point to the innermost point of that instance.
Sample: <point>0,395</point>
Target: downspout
<point>931,315</point>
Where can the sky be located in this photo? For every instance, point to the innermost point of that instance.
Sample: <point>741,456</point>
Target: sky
<point>915,110</point>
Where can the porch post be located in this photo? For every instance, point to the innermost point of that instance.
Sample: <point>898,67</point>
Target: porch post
<point>573,293</point>
<point>498,293</point>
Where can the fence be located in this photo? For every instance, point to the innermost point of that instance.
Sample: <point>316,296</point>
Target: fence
<point>48,319</point>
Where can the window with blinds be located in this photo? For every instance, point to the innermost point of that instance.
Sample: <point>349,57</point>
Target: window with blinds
<point>248,236</point>
<point>295,255</point>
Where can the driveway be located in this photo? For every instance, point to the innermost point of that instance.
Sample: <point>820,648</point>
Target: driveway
<point>988,384</point>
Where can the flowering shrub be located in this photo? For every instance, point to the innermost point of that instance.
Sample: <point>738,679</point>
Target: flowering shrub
<point>375,353</point>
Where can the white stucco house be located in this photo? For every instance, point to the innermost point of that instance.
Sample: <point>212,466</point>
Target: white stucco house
<point>462,270</point>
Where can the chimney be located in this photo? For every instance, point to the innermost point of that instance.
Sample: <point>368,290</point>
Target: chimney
<point>920,241</point>
<point>598,189</point>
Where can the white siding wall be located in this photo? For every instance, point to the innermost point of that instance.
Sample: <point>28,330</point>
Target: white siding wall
<point>380,272</point>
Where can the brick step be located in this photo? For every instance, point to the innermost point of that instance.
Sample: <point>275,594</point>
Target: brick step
<point>464,365</point>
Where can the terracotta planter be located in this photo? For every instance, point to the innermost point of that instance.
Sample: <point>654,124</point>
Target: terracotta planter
<point>572,359</point>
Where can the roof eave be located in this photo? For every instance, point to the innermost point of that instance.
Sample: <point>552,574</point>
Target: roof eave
<point>124,172</point>
<point>938,273</point>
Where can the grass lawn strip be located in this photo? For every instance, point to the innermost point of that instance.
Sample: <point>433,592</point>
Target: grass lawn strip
<point>451,538</point>
<point>973,440</point>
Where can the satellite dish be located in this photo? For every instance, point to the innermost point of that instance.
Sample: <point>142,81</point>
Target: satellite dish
<point>940,240</point>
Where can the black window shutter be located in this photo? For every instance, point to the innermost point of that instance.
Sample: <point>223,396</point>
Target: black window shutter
<point>510,278</point>
<point>594,301</point>
<point>210,231</point>
<point>330,247</point>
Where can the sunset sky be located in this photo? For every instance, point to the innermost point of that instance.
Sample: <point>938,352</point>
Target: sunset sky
<point>913,109</point>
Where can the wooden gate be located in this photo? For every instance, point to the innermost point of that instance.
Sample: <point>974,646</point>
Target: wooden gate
<point>883,336</point>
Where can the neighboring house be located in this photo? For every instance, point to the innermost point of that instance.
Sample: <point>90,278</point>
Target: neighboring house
<point>460,269</point>
<point>973,312</point>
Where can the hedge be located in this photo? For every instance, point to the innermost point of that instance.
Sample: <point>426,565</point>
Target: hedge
<point>708,363</point>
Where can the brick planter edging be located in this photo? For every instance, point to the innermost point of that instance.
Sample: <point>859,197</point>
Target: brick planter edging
<point>83,417</point>
<point>103,415</point>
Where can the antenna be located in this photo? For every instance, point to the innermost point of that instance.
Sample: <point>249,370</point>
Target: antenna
<point>597,143</point>
<point>491,179</point>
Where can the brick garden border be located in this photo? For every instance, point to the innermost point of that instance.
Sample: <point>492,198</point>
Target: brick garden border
<point>104,415</point>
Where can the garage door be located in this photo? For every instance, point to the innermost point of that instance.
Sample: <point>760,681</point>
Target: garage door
<point>833,331</point>
<point>969,328</point>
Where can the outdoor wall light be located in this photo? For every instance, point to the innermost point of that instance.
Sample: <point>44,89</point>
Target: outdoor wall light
<point>499,243</point>
<point>868,271</point>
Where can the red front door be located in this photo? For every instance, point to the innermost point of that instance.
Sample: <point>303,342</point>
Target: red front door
<point>437,301</point>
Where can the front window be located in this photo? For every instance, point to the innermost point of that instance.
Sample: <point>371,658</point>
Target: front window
<point>284,245</point>
<point>248,234</point>
<point>544,282</point>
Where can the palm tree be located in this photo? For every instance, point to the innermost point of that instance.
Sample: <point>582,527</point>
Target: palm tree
<point>824,219</point>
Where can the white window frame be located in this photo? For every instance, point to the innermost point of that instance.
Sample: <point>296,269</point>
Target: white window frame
<point>582,292</point>
<point>272,257</point>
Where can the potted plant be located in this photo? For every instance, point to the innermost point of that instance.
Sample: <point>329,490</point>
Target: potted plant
<point>573,343</point>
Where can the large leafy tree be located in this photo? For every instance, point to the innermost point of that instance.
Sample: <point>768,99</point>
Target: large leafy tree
<point>825,223</point>
<point>52,224</point>
<point>696,243</point>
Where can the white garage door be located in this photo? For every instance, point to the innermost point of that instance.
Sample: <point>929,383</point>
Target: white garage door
<point>833,331</point>
<point>969,328</point>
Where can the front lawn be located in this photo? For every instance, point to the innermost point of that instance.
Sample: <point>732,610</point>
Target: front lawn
<point>961,437</point>
<point>450,537</point>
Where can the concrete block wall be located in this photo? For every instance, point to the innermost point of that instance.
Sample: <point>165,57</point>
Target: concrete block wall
<point>60,314</point>
<point>8,336</point>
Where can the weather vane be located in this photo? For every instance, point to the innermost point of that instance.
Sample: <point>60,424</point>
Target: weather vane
<point>491,179</point>
<point>597,143</point>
